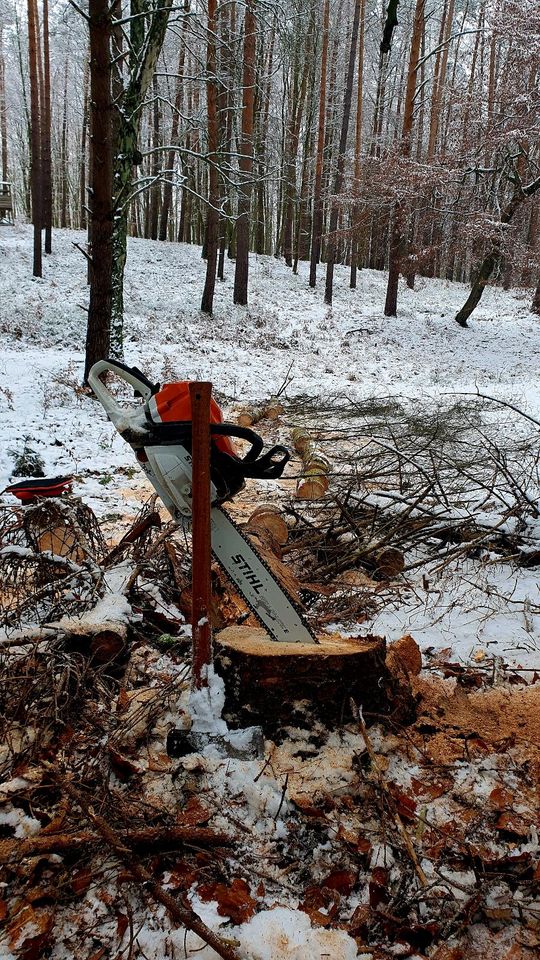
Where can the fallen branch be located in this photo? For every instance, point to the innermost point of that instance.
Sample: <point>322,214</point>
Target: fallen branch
<point>384,788</point>
<point>182,915</point>
<point>40,845</point>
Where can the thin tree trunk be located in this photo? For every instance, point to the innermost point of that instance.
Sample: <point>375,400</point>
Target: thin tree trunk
<point>535,305</point>
<point>212,215</point>
<point>178,98</point>
<point>35,146</point>
<point>246,158</point>
<point>46,133</point>
<point>3,114</point>
<point>493,257</point>
<point>340,167</point>
<point>398,229</point>
<point>101,173</point>
<point>64,155</point>
<point>316,230</point>
<point>84,134</point>
<point>358,144</point>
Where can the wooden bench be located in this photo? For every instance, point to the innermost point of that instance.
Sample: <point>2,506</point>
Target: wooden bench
<point>6,203</point>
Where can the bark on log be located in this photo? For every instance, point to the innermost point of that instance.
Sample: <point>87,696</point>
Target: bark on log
<point>386,562</point>
<point>314,482</point>
<point>249,416</point>
<point>276,684</point>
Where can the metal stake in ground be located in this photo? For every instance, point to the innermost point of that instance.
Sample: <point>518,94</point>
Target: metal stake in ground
<point>200,394</point>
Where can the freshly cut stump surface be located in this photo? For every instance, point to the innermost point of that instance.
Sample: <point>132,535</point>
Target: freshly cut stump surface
<point>285,683</point>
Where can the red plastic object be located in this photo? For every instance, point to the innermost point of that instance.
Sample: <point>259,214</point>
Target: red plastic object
<point>28,490</point>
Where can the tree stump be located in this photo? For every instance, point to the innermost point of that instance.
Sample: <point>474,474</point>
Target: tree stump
<point>275,684</point>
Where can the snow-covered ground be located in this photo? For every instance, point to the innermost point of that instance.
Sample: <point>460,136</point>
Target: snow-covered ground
<point>470,608</point>
<point>286,334</point>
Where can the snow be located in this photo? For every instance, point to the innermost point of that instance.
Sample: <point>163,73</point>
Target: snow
<point>349,351</point>
<point>206,704</point>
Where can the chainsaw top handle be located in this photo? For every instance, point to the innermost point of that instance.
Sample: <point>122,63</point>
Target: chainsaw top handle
<point>142,386</point>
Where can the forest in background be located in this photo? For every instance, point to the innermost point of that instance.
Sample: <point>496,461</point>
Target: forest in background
<point>399,136</point>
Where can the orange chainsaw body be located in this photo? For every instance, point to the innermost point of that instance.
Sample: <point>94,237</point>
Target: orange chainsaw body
<point>172,403</point>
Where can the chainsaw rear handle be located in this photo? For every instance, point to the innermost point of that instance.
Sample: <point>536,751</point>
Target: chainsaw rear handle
<point>141,384</point>
<point>269,466</point>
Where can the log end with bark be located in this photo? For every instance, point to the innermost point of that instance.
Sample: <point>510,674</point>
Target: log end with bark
<point>278,684</point>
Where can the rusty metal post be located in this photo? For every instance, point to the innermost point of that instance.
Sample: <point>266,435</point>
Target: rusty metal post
<point>200,394</point>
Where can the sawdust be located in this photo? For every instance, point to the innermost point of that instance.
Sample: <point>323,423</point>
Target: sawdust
<point>477,722</point>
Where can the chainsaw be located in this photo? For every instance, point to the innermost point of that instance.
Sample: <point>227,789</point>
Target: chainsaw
<point>159,432</point>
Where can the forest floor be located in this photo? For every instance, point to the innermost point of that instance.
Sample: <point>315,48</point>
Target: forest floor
<point>414,841</point>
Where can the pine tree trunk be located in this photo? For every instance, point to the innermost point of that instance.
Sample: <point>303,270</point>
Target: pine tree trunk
<point>212,215</point>
<point>35,145</point>
<point>246,158</point>
<point>317,222</point>
<point>340,167</point>
<point>358,145</point>
<point>46,133</point>
<point>64,155</point>
<point>101,170</point>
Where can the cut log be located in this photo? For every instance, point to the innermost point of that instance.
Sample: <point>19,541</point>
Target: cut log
<point>313,484</point>
<point>270,519</point>
<point>249,416</point>
<point>276,684</point>
<point>386,562</point>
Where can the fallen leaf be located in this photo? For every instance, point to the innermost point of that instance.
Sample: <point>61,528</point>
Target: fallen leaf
<point>193,814</point>
<point>343,881</point>
<point>321,905</point>
<point>122,766</point>
<point>80,881</point>
<point>122,923</point>
<point>378,887</point>
<point>511,823</point>
<point>29,931</point>
<point>233,900</point>
<point>500,799</point>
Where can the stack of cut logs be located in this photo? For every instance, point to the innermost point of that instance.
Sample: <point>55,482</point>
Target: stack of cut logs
<point>313,484</point>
